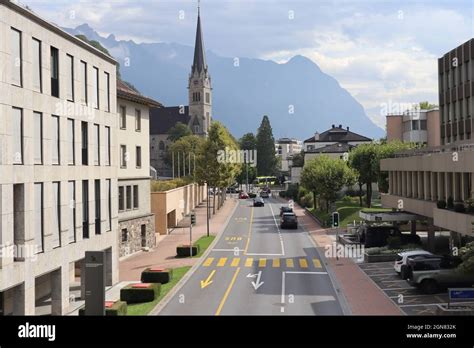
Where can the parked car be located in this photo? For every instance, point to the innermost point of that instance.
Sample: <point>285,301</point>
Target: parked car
<point>264,194</point>
<point>288,220</point>
<point>400,265</point>
<point>231,190</point>
<point>258,202</point>
<point>377,235</point>
<point>243,195</point>
<point>284,209</point>
<point>435,274</point>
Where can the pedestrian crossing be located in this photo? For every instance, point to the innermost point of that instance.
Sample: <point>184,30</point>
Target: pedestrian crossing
<point>262,262</point>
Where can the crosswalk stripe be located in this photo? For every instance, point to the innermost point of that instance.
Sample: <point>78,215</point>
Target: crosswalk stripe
<point>303,263</point>
<point>235,262</point>
<point>317,263</point>
<point>222,262</point>
<point>276,263</point>
<point>289,263</point>
<point>249,262</point>
<point>208,261</point>
<point>262,262</point>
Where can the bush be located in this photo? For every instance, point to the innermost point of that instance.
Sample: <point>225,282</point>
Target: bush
<point>441,204</point>
<point>459,208</point>
<point>184,250</point>
<point>307,200</point>
<point>450,203</point>
<point>157,275</point>
<point>139,293</point>
<point>282,194</point>
<point>394,242</point>
<point>117,308</point>
<point>166,185</point>
<point>292,192</point>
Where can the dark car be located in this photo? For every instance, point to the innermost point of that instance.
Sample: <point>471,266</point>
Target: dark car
<point>231,190</point>
<point>258,202</point>
<point>284,209</point>
<point>288,220</point>
<point>377,235</point>
<point>264,194</point>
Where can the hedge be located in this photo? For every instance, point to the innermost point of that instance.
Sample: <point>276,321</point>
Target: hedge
<point>184,250</point>
<point>141,292</point>
<point>111,308</point>
<point>157,275</point>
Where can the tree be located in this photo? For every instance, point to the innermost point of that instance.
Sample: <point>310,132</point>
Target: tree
<point>266,159</point>
<point>187,145</point>
<point>324,177</point>
<point>298,160</point>
<point>248,142</point>
<point>178,131</point>
<point>425,105</point>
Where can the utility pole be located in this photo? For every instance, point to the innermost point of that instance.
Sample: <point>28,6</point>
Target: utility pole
<point>172,161</point>
<point>208,198</point>
<point>178,166</point>
<point>247,171</point>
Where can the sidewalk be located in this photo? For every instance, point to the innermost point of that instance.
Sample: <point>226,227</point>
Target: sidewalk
<point>163,255</point>
<point>361,294</point>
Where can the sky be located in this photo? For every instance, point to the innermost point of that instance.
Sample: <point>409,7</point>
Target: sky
<point>384,52</point>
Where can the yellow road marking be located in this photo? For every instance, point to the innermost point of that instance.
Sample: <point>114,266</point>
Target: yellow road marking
<point>276,263</point>
<point>289,263</point>
<point>250,232</point>
<point>249,262</point>
<point>208,262</point>
<point>262,262</point>
<point>317,263</point>
<point>303,263</point>
<point>208,281</point>
<point>235,262</point>
<point>222,262</point>
<point>227,292</point>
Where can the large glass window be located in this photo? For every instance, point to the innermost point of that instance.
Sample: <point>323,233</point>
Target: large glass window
<point>95,88</point>
<point>123,156</point>
<point>16,57</point>
<point>135,197</point>
<point>123,117</point>
<point>107,91</point>
<point>38,137</point>
<point>54,72</point>
<point>138,157</point>
<point>56,218</point>
<point>98,222</point>
<point>108,208</point>
<point>17,136</point>
<point>96,144</point>
<point>55,139</point>
<point>107,146</point>
<point>129,197</point>
<point>85,144</point>
<point>121,198</point>
<point>37,74</point>
<point>138,120</point>
<point>70,141</point>
<point>84,82</point>
<point>38,217</point>
<point>72,211</point>
<point>70,77</point>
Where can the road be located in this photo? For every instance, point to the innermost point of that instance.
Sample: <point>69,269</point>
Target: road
<point>255,268</point>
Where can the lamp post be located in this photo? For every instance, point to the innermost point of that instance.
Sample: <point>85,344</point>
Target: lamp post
<point>207,203</point>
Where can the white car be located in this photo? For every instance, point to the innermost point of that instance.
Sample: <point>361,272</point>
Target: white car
<point>401,261</point>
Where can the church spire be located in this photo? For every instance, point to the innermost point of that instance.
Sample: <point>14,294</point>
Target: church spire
<point>199,63</point>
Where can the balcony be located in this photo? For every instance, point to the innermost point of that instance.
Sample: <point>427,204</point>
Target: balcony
<point>415,206</point>
<point>459,222</point>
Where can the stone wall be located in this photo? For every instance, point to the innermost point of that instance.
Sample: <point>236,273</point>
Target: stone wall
<point>134,235</point>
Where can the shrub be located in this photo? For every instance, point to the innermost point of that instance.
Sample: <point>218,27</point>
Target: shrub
<point>157,275</point>
<point>184,250</point>
<point>166,185</point>
<point>292,192</point>
<point>450,203</point>
<point>459,208</point>
<point>441,204</point>
<point>307,200</point>
<point>142,292</point>
<point>282,194</point>
<point>394,242</point>
<point>111,309</point>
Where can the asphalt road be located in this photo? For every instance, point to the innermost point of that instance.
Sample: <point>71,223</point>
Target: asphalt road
<point>257,269</point>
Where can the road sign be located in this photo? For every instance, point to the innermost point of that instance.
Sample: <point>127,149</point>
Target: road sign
<point>95,283</point>
<point>335,219</point>
<point>461,295</point>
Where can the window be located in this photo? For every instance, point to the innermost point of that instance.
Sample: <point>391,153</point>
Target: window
<point>98,229</point>
<point>95,88</point>
<point>71,141</point>
<point>208,98</point>
<point>414,125</point>
<point>124,235</point>
<point>123,117</point>
<point>17,136</point>
<point>85,141</point>
<point>55,139</point>
<point>84,82</point>
<point>138,120</point>
<point>135,197</point>
<point>54,72</point>
<point>196,129</point>
<point>161,146</point>
<point>138,156</point>
<point>38,218</point>
<point>17,59</point>
<point>72,211</point>
<point>56,218</point>
<point>85,209</point>
<point>107,146</point>
<point>38,137</point>
<point>37,74</point>
<point>18,217</point>
<point>107,91</point>
<point>70,77</point>
<point>96,144</point>
<point>423,125</point>
<point>121,198</point>
<point>129,197</point>
<point>123,156</point>
<point>108,208</point>
<point>468,78</point>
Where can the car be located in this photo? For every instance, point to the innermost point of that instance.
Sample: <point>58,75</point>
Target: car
<point>284,209</point>
<point>288,220</point>
<point>377,235</point>
<point>264,194</point>
<point>258,202</point>
<point>400,265</point>
<point>243,195</point>
<point>231,190</point>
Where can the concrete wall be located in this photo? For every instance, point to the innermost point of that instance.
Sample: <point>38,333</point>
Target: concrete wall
<point>394,127</point>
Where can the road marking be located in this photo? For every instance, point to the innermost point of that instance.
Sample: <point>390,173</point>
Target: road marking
<point>259,254</point>
<point>233,250</point>
<point>208,262</point>
<point>235,262</point>
<point>289,263</point>
<point>282,309</point>
<point>317,263</point>
<point>303,272</point>
<point>222,262</point>
<point>276,263</point>
<point>227,292</point>
<point>250,232</point>
<point>303,263</point>
<point>208,281</point>
<point>279,232</point>
<point>249,262</point>
<point>262,262</point>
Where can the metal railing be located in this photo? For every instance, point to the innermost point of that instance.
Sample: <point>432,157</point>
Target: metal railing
<point>427,151</point>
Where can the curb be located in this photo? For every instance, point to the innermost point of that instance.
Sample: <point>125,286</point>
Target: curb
<point>159,307</point>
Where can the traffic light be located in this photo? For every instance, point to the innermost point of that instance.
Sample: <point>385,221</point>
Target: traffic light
<point>335,219</point>
<point>193,219</point>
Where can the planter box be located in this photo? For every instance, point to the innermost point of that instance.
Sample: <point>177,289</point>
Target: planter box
<point>111,308</point>
<point>379,257</point>
<point>156,275</point>
<point>141,292</point>
<point>184,250</point>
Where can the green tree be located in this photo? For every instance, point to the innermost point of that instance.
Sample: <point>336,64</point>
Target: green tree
<point>178,131</point>
<point>248,142</point>
<point>188,145</point>
<point>425,105</point>
<point>266,159</point>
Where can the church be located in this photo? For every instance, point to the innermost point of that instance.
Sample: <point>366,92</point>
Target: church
<point>197,115</point>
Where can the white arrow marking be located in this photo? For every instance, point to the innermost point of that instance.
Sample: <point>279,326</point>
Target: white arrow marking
<point>250,275</point>
<point>258,284</point>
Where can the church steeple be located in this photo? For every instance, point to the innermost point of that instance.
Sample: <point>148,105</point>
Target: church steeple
<point>199,63</point>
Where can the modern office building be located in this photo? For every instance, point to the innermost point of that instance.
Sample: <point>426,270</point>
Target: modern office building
<point>58,171</point>
<point>420,178</point>
<point>285,148</point>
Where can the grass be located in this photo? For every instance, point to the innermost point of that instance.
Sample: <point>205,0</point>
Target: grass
<point>145,308</point>
<point>203,243</point>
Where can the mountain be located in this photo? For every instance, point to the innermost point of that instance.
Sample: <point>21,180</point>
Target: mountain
<point>242,94</point>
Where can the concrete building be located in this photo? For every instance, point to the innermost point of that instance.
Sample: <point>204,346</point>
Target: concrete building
<point>285,148</point>
<point>419,179</point>
<point>417,126</point>
<point>58,182</point>
<point>136,228</point>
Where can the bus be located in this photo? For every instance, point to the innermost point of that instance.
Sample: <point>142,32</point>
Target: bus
<point>266,180</point>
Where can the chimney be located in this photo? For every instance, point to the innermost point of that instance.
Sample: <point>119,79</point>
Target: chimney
<point>340,126</point>
<point>348,128</point>
<point>316,136</point>
<point>333,126</point>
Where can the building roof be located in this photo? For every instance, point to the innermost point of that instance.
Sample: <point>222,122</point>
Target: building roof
<point>163,119</point>
<point>337,134</point>
<point>126,92</point>
<point>287,141</point>
<point>333,148</point>
<point>199,63</point>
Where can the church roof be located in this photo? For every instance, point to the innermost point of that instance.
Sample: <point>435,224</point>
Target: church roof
<point>163,119</point>
<point>199,63</point>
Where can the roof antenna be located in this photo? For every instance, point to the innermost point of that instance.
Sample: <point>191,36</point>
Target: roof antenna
<point>199,7</point>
